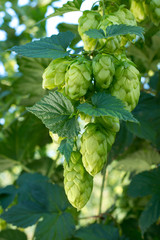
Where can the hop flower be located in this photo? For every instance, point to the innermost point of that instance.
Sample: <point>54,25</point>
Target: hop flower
<point>93,149</point>
<point>126,85</point>
<point>137,8</point>
<point>110,44</point>
<point>89,20</point>
<point>111,126</point>
<point>54,74</point>
<point>103,70</point>
<point>77,182</point>
<point>78,78</point>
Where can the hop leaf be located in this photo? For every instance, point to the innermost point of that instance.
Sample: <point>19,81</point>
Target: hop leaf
<point>77,182</point>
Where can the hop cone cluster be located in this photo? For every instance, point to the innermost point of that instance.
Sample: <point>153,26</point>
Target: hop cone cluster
<point>126,85</point>
<point>54,74</point>
<point>78,78</point>
<point>77,182</point>
<point>103,70</point>
<point>89,20</point>
<point>93,149</point>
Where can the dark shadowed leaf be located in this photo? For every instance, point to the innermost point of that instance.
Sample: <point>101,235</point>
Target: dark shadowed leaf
<point>10,234</point>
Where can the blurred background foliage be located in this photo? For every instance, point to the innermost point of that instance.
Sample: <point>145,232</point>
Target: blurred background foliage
<point>26,147</point>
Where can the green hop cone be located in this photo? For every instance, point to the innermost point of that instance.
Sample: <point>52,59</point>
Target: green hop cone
<point>111,126</point>
<point>137,8</point>
<point>54,74</point>
<point>126,85</point>
<point>77,182</point>
<point>93,149</point>
<point>126,17</point>
<point>154,10</point>
<point>85,117</point>
<point>103,70</point>
<point>110,44</point>
<point>89,20</point>
<point>78,78</point>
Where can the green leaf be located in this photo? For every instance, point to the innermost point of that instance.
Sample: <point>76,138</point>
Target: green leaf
<point>7,195</point>
<point>106,105</point>
<point>142,130</point>
<point>115,30</point>
<point>10,234</point>
<point>49,47</point>
<point>55,228</point>
<point>29,85</point>
<point>145,183</point>
<point>19,141</point>
<point>95,33</point>
<point>55,110</point>
<point>66,148</point>
<point>139,161</point>
<point>97,232</point>
<point>150,214</point>
<point>122,29</point>
<point>123,141</point>
<point>40,199</point>
<point>70,6</point>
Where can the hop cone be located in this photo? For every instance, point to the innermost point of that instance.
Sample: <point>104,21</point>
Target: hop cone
<point>126,17</point>
<point>154,9</point>
<point>89,20</point>
<point>126,85</point>
<point>103,70</point>
<point>93,149</point>
<point>54,74</point>
<point>77,182</point>
<point>111,126</point>
<point>55,137</point>
<point>78,78</point>
<point>110,44</point>
<point>137,8</point>
<point>85,117</point>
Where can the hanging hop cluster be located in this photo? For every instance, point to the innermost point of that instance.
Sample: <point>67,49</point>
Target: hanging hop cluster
<point>102,67</point>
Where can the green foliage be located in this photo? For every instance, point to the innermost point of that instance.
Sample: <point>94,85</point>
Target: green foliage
<point>104,104</point>
<point>38,198</point>
<point>98,231</point>
<point>49,47</point>
<point>10,234</point>
<point>127,205</point>
<point>70,6</point>
<point>66,148</point>
<point>147,183</point>
<point>55,111</point>
<point>115,30</point>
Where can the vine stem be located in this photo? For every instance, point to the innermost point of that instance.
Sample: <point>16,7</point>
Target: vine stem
<point>102,189</point>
